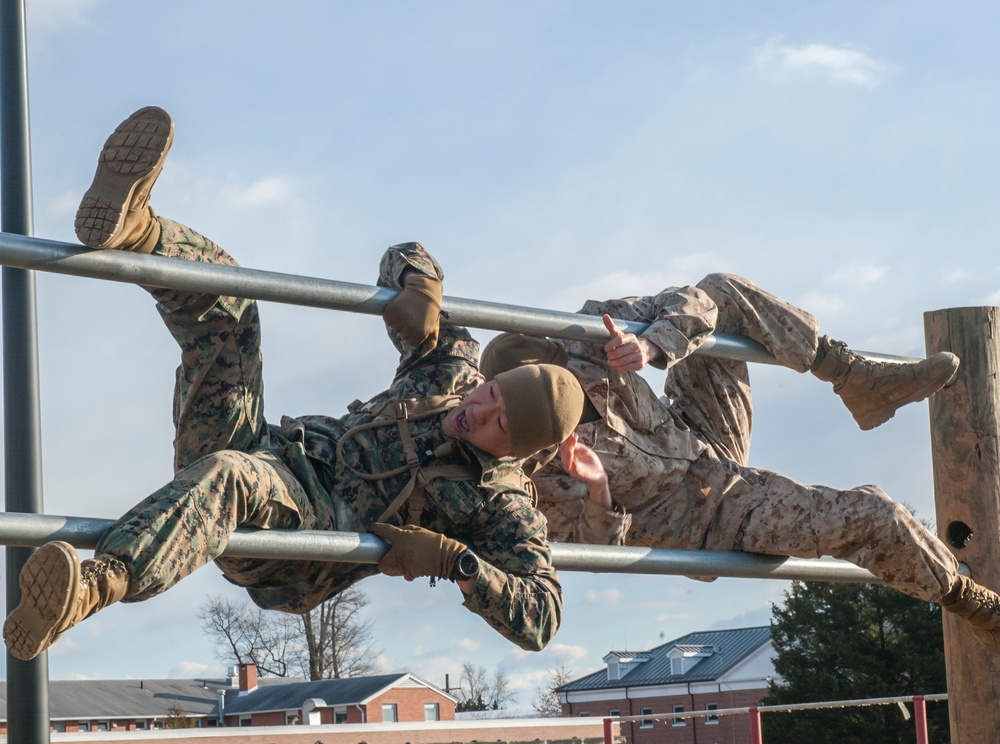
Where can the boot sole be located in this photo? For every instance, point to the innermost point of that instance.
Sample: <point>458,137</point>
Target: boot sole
<point>50,585</point>
<point>130,162</point>
<point>873,418</point>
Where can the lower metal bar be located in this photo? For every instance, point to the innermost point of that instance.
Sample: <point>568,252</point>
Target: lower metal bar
<point>32,530</point>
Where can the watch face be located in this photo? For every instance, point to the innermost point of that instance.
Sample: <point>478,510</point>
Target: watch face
<point>468,564</point>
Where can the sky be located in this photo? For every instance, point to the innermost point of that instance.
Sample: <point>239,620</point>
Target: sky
<point>840,154</point>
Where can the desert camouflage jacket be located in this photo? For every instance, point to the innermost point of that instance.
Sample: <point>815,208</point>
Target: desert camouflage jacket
<point>645,448</point>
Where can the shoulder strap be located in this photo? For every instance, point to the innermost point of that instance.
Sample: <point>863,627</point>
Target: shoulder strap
<point>402,412</point>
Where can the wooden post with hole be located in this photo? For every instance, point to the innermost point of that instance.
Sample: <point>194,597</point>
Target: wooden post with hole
<point>965,446</point>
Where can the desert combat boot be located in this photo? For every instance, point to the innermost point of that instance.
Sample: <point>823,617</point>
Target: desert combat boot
<point>115,211</point>
<point>979,607</point>
<point>57,592</point>
<point>874,390</point>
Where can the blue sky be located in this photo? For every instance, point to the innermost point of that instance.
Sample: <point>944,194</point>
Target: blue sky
<point>839,154</point>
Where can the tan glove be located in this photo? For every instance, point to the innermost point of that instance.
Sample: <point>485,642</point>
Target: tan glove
<point>416,552</point>
<point>415,312</point>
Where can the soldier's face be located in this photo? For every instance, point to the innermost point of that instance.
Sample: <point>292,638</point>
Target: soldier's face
<point>481,419</point>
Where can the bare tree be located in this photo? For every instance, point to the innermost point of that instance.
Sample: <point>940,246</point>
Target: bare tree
<point>333,640</point>
<point>248,634</point>
<point>338,639</point>
<point>478,691</point>
<point>546,703</point>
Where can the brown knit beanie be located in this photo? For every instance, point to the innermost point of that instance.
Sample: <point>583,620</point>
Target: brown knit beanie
<point>510,350</point>
<point>544,403</point>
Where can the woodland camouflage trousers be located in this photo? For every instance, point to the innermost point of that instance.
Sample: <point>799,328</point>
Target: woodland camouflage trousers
<point>226,476</point>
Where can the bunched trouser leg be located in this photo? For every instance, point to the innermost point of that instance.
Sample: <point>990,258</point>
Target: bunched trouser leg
<point>713,395</point>
<point>764,512</point>
<point>187,523</point>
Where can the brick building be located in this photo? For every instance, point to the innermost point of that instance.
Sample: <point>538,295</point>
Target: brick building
<point>710,670</point>
<point>240,700</point>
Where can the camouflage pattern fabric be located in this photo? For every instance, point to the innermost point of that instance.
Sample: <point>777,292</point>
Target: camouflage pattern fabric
<point>234,469</point>
<point>677,465</point>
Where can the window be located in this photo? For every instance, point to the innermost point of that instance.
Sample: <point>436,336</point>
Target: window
<point>389,713</point>
<point>340,717</point>
<point>646,723</point>
<point>583,714</point>
<point>614,713</point>
<point>83,726</point>
<point>140,726</point>
<point>246,721</point>
<point>103,726</point>
<point>59,727</point>
<point>711,719</point>
<point>291,719</point>
<point>679,721</point>
<point>432,712</point>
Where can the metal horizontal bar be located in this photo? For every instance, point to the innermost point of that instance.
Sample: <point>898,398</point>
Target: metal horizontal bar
<point>33,530</point>
<point>785,707</point>
<point>157,271</point>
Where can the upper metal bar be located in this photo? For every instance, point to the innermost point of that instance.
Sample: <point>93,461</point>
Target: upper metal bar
<point>157,271</point>
<point>352,547</point>
<point>27,688</point>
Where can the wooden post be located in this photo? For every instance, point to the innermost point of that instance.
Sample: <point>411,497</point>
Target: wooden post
<point>965,445</point>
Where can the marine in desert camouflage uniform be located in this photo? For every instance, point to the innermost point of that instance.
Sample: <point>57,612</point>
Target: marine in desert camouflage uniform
<point>233,469</point>
<point>672,472</point>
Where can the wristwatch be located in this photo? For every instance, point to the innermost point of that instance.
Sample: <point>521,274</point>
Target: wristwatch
<point>466,566</point>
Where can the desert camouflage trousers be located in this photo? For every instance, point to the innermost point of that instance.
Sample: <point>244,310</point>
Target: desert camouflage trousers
<point>227,472</point>
<point>722,504</point>
<point>713,395</point>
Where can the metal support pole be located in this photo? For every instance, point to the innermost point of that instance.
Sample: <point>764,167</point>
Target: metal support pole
<point>920,718</point>
<point>353,547</point>
<point>27,682</point>
<point>756,732</point>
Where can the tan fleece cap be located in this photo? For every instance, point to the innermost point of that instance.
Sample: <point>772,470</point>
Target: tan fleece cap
<point>544,403</point>
<point>510,350</point>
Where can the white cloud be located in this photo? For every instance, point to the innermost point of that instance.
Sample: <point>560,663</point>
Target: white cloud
<point>566,652</point>
<point>268,190</point>
<point>467,644</point>
<point>957,276</point>
<point>605,596</point>
<point>859,274</point>
<point>190,669</point>
<point>822,305</point>
<point>842,65</point>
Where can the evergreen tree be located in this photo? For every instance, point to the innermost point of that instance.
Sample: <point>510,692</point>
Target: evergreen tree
<point>177,718</point>
<point>850,642</point>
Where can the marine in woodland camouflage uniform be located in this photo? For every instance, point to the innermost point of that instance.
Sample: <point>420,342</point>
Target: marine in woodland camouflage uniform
<point>677,465</point>
<point>233,469</point>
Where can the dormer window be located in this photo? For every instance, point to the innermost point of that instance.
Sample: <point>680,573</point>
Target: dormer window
<point>683,658</point>
<point>621,663</point>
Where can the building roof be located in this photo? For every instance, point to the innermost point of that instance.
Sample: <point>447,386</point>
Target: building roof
<point>291,696</point>
<point>728,647</point>
<point>134,698</point>
<point>126,698</point>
